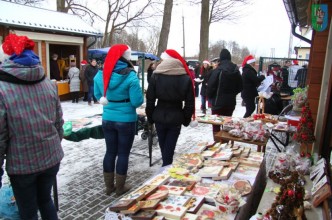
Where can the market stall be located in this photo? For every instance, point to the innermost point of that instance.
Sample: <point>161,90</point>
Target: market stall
<point>211,181</point>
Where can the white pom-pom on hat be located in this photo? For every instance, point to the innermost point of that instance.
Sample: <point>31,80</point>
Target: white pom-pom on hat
<point>127,54</point>
<point>103,100</point>
<point>193,124</point>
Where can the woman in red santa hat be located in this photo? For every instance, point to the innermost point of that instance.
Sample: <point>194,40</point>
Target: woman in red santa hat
<point>250,83</point>
<point>172,85</point>
<point>119,90</point>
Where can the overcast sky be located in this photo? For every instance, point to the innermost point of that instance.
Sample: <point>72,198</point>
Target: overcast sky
<point>264,26</point>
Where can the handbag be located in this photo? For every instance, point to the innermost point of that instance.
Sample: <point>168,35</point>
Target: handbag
<point>8,206</point>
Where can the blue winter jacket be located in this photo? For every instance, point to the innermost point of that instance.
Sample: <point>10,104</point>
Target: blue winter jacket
<point>122,86</point>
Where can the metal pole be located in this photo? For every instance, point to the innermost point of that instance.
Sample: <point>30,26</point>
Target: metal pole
<point>184,39</point>
<point>143,66</point>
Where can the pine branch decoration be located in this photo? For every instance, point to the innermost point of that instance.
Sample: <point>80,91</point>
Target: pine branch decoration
<point>305,129</point>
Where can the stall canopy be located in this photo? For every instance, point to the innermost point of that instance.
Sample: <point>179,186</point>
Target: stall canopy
<point>100,54</point>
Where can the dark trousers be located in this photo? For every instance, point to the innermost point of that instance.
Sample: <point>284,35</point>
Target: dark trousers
<point>91,94</point>
<point>75,96</point>
<point>167,136</point>
<point>33,192</point>
<point>196,90</point>
<point>119,138</point>
<point>85,96</point>
<point>225,111</point>
<point>250,106</point>
<point>203,102</point>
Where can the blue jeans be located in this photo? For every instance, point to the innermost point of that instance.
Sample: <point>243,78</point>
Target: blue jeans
<point>119,138</point>
<point>91,94</point>
<point>203,102</point>
<point>33,192</point>
<point>167,136</point>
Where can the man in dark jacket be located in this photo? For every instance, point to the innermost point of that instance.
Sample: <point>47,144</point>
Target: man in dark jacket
<point>250,83</point>
<point>54,68</point>
<point>301,76</point>
<point>172,86</point>
<point>89,73</point>
<point>224,84</point>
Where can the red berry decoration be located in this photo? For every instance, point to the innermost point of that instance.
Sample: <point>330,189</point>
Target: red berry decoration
<point>290,193</point>
<point>299,195</point>
<point>308,155</point>
<point>302,154</point>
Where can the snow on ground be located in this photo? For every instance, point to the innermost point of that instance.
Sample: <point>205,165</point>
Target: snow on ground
<point>75,159</point>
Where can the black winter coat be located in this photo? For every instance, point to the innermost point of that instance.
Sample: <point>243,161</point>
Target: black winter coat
<point>175,95</point>
<point>89,73</point>
<point>224,84</point>
<point>205,77</point>
<point>250,82</point>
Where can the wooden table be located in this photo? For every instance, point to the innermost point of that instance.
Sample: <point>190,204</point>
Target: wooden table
<point>268,198</point>
<point>63,88</point>
<point>224,135</point>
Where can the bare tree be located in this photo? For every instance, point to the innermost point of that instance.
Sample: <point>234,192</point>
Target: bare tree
<point>215,48</point>
<point>238,53</point>
<point>77,8</point>
<point>163,39</point>
<point>119,16</point>
<point>152,40</point>
<point>204,33</point>
<point>218,10</point>
<point>26,2</point>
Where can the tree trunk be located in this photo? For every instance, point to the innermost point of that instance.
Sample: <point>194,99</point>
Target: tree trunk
<point>204,33</point>
<point>61,6</point>
<point>163,39</point>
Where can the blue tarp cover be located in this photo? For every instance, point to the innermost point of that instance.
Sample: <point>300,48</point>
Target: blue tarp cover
<point>102,52</point>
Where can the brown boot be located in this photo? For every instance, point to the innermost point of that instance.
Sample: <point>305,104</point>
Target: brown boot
<point>121,188</point>
<point>216,139</point>
<point>109,183</point>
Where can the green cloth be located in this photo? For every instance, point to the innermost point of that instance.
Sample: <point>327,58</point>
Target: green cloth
<point>86,133</point>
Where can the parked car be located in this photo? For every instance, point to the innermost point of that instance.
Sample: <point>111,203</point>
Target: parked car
<point>193,63</point>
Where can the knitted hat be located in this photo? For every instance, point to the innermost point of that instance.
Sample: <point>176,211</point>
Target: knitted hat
<point>248,60</point>
<point>113,55</point>
<point>206,62</point>
<point>224,55</point>
<point>84,62</point>
<point>170,53</point>
<point>20,48</point>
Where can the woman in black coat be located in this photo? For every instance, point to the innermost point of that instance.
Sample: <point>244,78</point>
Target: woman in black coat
<point>172,87</point>
<point>250,83</point>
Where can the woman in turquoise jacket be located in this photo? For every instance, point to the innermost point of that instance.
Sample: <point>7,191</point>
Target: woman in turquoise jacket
<point>119,90</point>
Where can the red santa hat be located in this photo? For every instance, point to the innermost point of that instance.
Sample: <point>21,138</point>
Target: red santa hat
<point>295,62</point>
<point>248,60</point>
<point>113,55</point>
<point>206,62</point>
<point>173,54</point>
<point>84,62</point>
